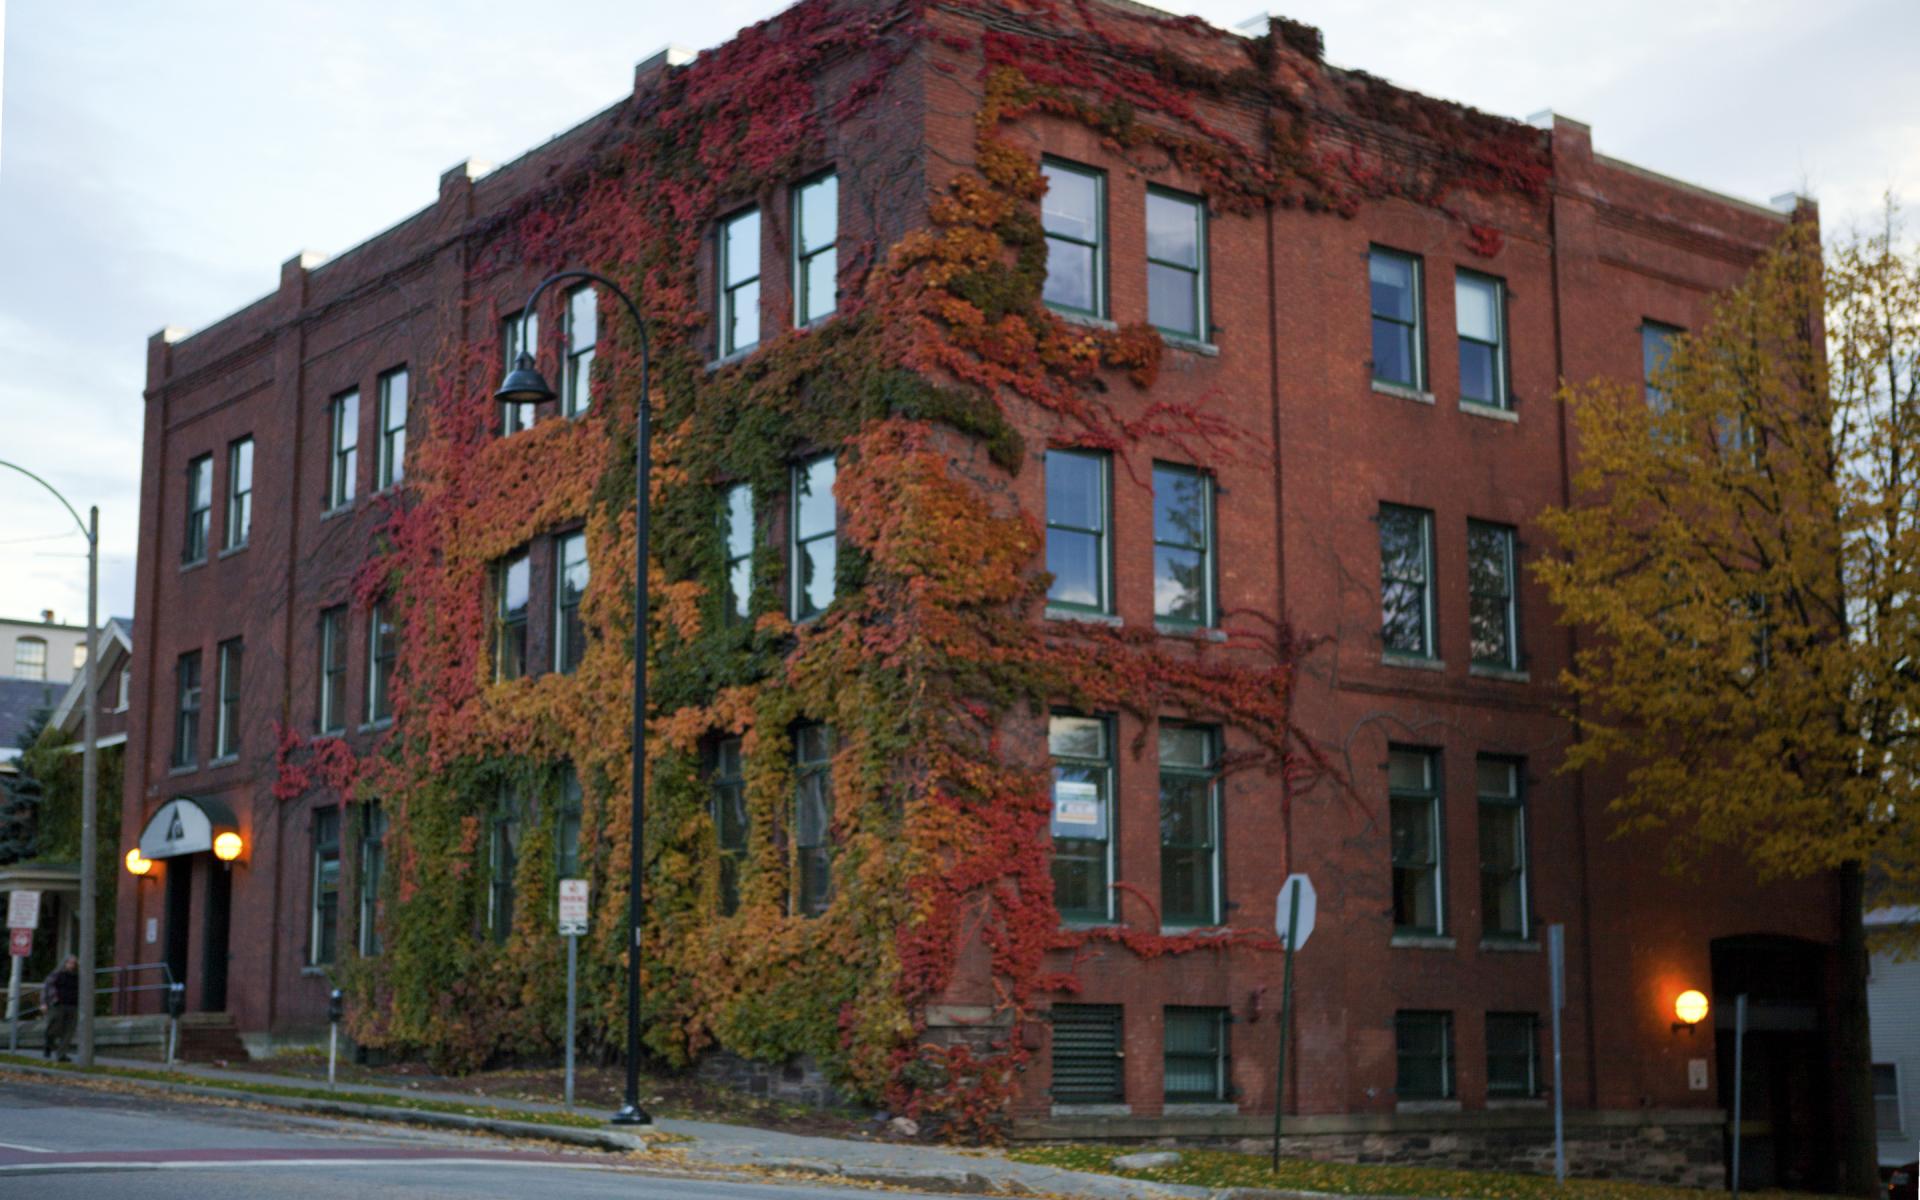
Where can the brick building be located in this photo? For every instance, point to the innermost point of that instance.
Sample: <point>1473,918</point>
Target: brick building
<point>1382,360</point>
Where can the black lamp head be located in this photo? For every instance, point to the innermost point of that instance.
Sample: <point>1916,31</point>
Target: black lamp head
<point>524,384</point>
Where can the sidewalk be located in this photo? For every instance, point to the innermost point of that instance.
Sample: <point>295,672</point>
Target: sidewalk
<point>716,1144</point>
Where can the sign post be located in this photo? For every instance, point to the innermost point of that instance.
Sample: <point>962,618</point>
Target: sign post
<point>573,923</point>
<point>1557,972</point>
<point>23,916</point>
<point>1293,913</point>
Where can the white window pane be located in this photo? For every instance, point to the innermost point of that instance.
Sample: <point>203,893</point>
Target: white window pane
<point>815,500</point>
<point>583,318</point>
<point>746,316</point>
<point>819,213</point>
<point>1392,282</point>
<point>1069,276</point>
<point>1173,300</point>
<point>1073,490</point>
<point>1072,203</point>
<point>1476,307</point>
<point>1077,737</point>
<point>1407,770</point>
<point>743,248</point>
<point>817,568</point>
<point>739,521</point>
<point>1173,230</point>
<point>821,271</point>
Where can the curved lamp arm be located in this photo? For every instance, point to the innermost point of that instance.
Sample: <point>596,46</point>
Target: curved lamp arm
<point>63,500</point>
<point>633,310</point>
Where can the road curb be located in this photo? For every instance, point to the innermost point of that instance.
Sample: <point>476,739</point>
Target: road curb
<point>594,1139</point>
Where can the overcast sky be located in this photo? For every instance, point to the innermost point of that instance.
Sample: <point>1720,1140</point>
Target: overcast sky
<point>159,161</point>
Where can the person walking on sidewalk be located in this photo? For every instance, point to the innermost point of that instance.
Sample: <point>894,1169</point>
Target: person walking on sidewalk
<point>61,996</point>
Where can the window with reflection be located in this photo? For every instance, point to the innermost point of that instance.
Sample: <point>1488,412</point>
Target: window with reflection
<point>1073,215</point>
<point>1077,518</point>
<point>1177,264</point>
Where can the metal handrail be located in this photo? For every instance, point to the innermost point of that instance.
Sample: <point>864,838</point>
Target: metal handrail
<point>36,1004</point>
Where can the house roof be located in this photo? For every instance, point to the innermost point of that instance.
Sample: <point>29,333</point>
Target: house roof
<point>116,639</point>
<point>20,699</point>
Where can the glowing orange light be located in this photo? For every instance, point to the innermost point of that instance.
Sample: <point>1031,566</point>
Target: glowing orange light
<point>1690,1006</point>
<point>227,846</point>
<point>138,864</point>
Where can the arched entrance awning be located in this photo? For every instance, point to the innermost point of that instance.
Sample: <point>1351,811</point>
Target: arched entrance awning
<point>185,825</point>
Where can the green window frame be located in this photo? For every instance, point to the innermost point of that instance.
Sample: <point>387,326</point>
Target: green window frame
<point>372,866</point>
<point>737,540</point>
<point>727,783</point>
<point>1190,826</point>
<point>1183,547</point>
<point>343,423</point>
<point>1656,351</point>
<point>503,861</point>
<point>1492,609</point>
<point>1082,823</point>
<point>1406,581</point>
<point>199,508</point>
<point>813,544</point>
<point>333,669</point>
<point>390,452</point>
<point>740,282</point>
<point>1513,1055</point>
<point>517,336</point>
<point>1177,264</point>
<point>1195,1063</point>
<point>512,588</point>
<point>1480,320</point>
<point>571,574</point>
<point>812,819</point>
<point>1505,908</point>
<point>383,651</point>
<point>1073,216</point>
<point>816,234</point>
<point>323,926</point>
<point>583,333</point>
<point>186,710</point>
<point>226,721</point>
<point>1416,832</point>
<point>239,492</point>
<point>1397,305</point>
<point>1079,487</point>
<point>1086,1054</point>
<point>1423,1044</point>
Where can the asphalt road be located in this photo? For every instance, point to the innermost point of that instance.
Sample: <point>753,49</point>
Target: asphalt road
<point>59,1141</point>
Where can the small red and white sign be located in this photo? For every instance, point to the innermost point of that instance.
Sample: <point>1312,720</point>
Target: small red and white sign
<point>23,910</point>
<point>21,942</point>
<point>573,907</point>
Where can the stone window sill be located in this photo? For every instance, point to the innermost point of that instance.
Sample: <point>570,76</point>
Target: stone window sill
<point>195,565</point>
<point>1509,946</point>
<point>1092,1110</point>
<point>315,970</point>
<point>1403,392</point>
<point>1504,674</point>
<point>1474,408</point>
<point>1091,618</point>
<point>1086,319</point>
<point>230,551</point>
<point>1427,1106</point>
<point>1200,1108</point>
<point>1175,342</point>
<point>179,769</point>
<point>1422,941</point>
<point>377,726</point>
<point>1516,1102</point>
<point>1199,633</point>
<point>727,360</point>
<point>337,510</point>
<point>1390,659</point>
<point>225,760</point>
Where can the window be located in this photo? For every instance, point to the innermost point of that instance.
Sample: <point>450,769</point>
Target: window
<point>1189,825</point>
<point>570,573</point>
<point>1491,614</point>
<point>566,834</point>
<point>1656,349</point>
<point>1182,545</point>
<point>1406,581</point>
<point>813,818</point>
<point>383,647</point>
<point>1503,851</point>
<point>740,282</point>
<point>79,657</point>
<point>816,226</point>
<point>729,784</point>
<point>814,541</point>
<point>1425,1044</point>
<point>186,711</point>
<point>1886,1098</point>
<point>390,466</point>
<point>1480,317</point>
<point>1077,549</point>
<point>1196,1054</point>
<point>226,724</point>
<point>736,520</point>
<point>583,332</point>
<point>30,658</point>
<point>1073,214</point>
<point>199,508</point>
<point>373,863</point>
<point>1414,797</point>
<point>239,493</point>
<point>1513,1054</point>
<point>343,420</point>
<point>126,690</point>
<point>324,922</point>
<point>518,337</point>
<point>1177,264</point>
<point>503,859</point>
<point>1082,817</point>
<point>512,580</point>
<point>1398,351</point>
<point>1086,1054</point>
<point>333,669</point>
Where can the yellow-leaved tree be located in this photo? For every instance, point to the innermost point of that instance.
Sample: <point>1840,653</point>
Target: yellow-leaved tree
<point>1743,563</point>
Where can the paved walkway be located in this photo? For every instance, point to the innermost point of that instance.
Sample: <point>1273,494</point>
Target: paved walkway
<point>719,1144</point>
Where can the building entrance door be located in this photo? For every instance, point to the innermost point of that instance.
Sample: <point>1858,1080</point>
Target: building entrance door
<point>213,936</point>
<point>179,916</point>
<point>1787,1139</point>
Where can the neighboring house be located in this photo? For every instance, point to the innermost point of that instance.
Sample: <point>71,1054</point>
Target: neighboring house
<point>115,689</point>
<point>1385,353</point>
<point>20,701</point>
<point>1893,1000</point>
<point>43,651</point>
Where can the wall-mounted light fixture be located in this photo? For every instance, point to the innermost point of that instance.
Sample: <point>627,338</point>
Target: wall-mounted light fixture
<point>227,846</point>
<point>1690,1008</point>
<point>138,864</point>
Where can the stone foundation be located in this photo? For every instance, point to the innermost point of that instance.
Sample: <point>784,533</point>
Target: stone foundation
<point>798,1081</point>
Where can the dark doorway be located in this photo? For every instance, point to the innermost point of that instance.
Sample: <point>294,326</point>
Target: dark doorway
<point>1787,1137</point>
<point>213,938</point>
<point>179,916</point>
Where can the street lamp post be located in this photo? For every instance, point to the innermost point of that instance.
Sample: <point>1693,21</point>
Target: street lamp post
<point>525,385</point>
<point>89,762</point>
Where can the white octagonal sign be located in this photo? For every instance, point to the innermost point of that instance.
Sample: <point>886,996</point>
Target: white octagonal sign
<point>1283,906</point>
